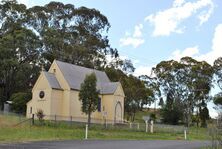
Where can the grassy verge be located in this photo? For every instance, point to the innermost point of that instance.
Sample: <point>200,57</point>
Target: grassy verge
<point>63,131</point>
<point>34,133</point>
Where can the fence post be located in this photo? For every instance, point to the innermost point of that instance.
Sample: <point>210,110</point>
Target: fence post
<point>105,123</point>
<point>130,125</point>
<point>71,120</point>
<point>138,126</point>
<point>185,134</point>
<point>86,133</point>
<point>55,119</point>
<point>151,126</point>
<point>146,126</point>
<point>33,117</point>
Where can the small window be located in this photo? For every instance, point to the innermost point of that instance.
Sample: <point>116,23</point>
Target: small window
<point>41,94</point>
<point>99,104</point>
<point>54,70</point>
<point>31,110</point>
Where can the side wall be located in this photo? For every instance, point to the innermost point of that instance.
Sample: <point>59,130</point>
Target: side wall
<point>57,102</point>
<point>106,107</point>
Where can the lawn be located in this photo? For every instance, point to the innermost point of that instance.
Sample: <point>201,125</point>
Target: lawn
<point>51,131</point>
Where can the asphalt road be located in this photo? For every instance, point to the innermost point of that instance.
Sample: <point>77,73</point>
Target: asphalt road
<point>92,144</point>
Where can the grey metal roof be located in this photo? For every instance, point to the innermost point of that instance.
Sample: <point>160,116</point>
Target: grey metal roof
<point>108,88</point>
<point>53,82</point>
<point>75,75</point>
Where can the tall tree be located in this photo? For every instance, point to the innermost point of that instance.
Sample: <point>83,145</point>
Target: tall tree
<point>74,35</point>
<point>19,101</point>
<point>218,71</point>
<point>172,111</point>
<point>19,48</point>
<point>218,78</point>
<point>153,87</point>
<point>189,80</point>
<point>89,96</point>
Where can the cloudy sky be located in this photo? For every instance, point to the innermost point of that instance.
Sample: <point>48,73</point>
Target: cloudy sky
<point>149,31</point>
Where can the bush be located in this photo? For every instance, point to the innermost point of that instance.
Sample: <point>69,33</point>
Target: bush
<point>19,101</point>
<point>40,115</point>
<point>153,117</point>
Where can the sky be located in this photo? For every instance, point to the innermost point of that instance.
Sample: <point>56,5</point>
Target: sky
<point>149,31</point>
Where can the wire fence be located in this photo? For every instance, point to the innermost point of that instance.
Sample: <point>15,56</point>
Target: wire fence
<point>55,126</point>
<point>65,121</point>
<point>12,119</point>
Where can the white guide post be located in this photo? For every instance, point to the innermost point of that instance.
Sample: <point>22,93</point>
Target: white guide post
<point>151,126</point>
<point>86,134</point>
<point>185,134</point>
<point>146,126</point>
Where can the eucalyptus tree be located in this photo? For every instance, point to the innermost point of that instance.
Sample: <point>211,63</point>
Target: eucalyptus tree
<point>199,79</point>
<point>188,81</point>
<point>19,48</point>
<point>75,35</point>
<point>218,71</point>
<point>153,89</point>
<point>218,78</point>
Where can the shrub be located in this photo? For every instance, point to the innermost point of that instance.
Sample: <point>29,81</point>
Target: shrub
<point>40,115</point>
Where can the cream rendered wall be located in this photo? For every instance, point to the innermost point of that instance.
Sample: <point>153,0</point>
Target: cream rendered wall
<point>119,97</point>
<point>108,107</point>
<point>56,102</point>
<point>75,105</point>
<point>108,103</point>
<point>37,103</point>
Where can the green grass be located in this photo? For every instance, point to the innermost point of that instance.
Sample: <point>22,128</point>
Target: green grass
<point>34,133</point>
<point>63,131</point>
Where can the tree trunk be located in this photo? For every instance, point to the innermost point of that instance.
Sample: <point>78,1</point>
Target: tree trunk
<point>89,119</point>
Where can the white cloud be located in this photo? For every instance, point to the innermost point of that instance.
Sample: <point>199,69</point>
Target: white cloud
<point>178,3</point>
<point>29,3</point>
<point>169,21</point>
<point>216,47</point>
<point>191,52</point>
<point>216,50</point>
<point>135,40</point>
<point>26,2</point>
<point>205,15</point>
<point>138,30</point>
<point>143,70</point>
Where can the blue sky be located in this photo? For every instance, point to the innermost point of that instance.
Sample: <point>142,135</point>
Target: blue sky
<point>149,31</point>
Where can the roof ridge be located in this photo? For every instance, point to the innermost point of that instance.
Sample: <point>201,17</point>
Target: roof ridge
<point>79,66</point>
<point>48,72</point>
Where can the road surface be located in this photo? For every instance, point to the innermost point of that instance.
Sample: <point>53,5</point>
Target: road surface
<point>93,144</point>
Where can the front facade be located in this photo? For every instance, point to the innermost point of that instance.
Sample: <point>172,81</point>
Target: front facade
<point>56,93</point>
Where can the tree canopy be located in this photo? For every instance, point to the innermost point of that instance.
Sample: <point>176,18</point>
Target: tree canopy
<point>187,82</point>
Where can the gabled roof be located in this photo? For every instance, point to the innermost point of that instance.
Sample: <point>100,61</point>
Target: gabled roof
<point>53,82</point>
<point>75,75</point>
